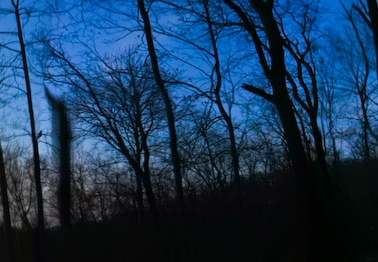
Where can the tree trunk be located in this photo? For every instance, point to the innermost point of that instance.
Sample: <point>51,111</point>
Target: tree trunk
<point>65,170</point>
<point>62,130</point>
<point>277,77</point>
<point>168,103</point>
<point>219,103</point>
<point>146,179</point>
<point>274,68</point>
<point>36,158</point>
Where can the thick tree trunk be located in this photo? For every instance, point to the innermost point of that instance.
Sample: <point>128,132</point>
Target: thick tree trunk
<point>274,67</point>
<point>323,175</point>
<point>65,169</point>
<point>301,195</point>
<point>146,179</point>
<point>277,77</point>
<point>62,130</point>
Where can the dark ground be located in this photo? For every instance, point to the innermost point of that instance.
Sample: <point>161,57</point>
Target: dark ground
<point>216,229</point>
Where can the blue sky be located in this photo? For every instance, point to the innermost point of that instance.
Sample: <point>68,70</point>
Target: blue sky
<point>70,28</point>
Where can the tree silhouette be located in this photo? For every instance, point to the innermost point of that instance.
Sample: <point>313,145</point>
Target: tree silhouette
<point>62,130</point>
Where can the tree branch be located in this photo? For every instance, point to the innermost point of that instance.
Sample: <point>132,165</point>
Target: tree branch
<point>362,14</point>
<point>259,92</point>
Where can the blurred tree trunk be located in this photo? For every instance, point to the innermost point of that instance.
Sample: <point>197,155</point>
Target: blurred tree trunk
<point>62,132</point>
<point>373,13</point>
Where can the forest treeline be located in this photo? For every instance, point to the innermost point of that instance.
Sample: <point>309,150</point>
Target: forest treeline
<point>259,114</point>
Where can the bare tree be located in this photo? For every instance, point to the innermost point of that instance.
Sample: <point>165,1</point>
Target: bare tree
<point>121,106</point>
<point>304,82</point>
<point>175,154</point>
<point>202,35</point>
<point>276,74</point>
<point>329,112</point>
<point>217,83</point>
<point>17,11</point>
<point>304,74</point>
<point>358,65</point>
<point>266,35</point>
<point>206,159</point>
<point>20,185</point>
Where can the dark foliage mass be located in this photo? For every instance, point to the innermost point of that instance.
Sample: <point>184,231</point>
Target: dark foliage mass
<point>194,130</point>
